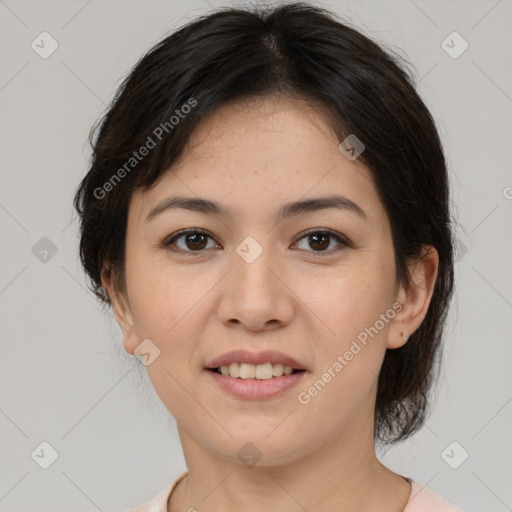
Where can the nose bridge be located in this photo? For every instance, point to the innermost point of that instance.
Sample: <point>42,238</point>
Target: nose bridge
<point>255,295</point>
<point>252,262</point>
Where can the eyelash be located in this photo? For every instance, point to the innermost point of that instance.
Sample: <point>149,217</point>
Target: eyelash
<point>168,242</point>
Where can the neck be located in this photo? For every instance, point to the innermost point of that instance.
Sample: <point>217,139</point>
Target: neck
<point>346,476</point>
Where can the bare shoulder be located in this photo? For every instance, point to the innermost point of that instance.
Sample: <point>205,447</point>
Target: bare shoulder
<point>423,499</point>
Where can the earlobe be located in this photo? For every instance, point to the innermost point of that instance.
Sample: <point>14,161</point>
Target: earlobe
<point>415,299</point>
<point>121,309</point>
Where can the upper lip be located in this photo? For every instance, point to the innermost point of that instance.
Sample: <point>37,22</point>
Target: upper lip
<point>244,356</point>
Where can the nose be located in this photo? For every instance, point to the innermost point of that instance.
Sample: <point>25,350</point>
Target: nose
<point>256,295</point>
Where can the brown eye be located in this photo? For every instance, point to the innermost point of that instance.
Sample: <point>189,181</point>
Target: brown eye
<point>320,240</point>
<point>193,240</point>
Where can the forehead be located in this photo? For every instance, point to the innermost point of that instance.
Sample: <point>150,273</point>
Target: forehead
<point>252,154</point>
<point>280,125</point>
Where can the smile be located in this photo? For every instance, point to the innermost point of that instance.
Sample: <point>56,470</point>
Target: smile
<point>255,371</point>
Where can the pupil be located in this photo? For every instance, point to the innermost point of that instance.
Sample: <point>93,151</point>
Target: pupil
<point>315,238</point>
<point>197,237</point>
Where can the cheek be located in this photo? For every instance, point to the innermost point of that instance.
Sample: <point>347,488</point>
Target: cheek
<point>154,297</point>
<point>354,307</point>
<point>347,303</point>
<point>166,300</point>
<point>349,360</point>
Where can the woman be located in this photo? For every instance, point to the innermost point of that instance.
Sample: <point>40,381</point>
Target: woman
<point>267,212</point>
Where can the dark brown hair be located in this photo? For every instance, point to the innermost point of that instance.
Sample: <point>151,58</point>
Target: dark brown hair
<point>306,52</point>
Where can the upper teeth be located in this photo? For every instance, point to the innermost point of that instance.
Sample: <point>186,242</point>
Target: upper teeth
<point>259,371</point>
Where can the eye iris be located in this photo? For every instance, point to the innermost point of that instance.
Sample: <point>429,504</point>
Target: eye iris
<point>198,242</point>
<point>314,240</point>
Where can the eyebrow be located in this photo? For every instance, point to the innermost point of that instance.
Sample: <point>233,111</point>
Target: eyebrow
<point>210,207</point>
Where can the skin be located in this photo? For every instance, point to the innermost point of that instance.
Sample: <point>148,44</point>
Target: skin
<point>295,297</point>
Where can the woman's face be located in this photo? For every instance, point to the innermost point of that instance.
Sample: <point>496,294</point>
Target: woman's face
<point>259,282</point>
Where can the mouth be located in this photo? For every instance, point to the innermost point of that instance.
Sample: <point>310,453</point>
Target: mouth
<point>246,365</point>
<point>256,382</point>
<point>247,371</point>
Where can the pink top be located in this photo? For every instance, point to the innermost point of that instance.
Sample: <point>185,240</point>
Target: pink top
<point>422,499</point>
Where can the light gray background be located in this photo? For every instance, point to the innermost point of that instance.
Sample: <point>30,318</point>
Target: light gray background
<point>64,377</point>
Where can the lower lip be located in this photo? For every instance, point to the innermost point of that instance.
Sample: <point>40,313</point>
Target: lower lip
<point>256,389</point>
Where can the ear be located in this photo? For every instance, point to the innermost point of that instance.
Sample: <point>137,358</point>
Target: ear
<point>122,310</point>
<point>415,299</point>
